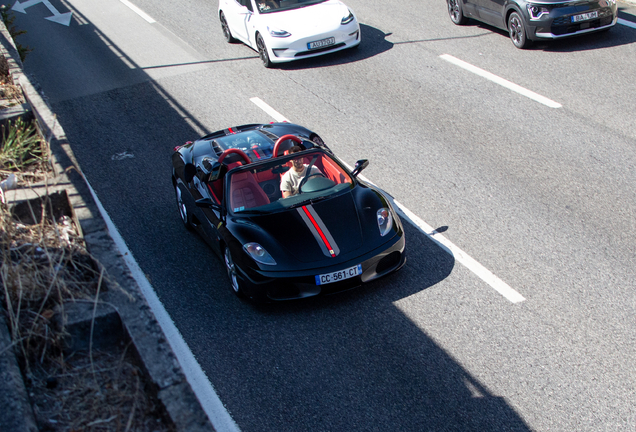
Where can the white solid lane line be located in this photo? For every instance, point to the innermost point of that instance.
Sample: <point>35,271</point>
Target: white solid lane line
<point>138,11</point>
<point>627,23</point>
<point>203,389</point>
<point>480,271</point>
<point>501,81</point>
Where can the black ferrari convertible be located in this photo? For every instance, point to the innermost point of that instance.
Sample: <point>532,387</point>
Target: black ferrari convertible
<point>328,232</point>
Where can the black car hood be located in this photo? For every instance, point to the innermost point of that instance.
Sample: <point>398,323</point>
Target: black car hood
<point>317,234</point>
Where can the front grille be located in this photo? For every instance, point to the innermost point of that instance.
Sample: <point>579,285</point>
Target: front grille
<point>329,48</point>
<point>564,25</point>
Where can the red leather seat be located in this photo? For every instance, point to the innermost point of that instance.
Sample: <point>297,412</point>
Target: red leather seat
<point>245,192</point>
<point>331,171</point>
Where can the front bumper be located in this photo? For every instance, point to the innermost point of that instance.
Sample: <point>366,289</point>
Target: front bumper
<point>289,49</point>
<point>276,286</point>
<point>558,23</point>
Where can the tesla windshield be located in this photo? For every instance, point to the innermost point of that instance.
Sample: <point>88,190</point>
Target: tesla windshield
<point>267,6</point>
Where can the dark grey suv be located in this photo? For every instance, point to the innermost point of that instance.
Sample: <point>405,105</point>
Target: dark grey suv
<point>527,21</point>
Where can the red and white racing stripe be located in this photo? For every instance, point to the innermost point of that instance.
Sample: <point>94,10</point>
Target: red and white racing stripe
<point>319,230</point>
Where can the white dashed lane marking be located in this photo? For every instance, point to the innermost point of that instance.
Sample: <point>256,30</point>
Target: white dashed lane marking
<point>138,11</point>
<point>501,81</point>
<point>627,23</point>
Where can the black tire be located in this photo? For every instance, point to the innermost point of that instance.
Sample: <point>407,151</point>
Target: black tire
<point>183,210</point>
<point>262,51</point>
<point>230,267</point>
<point>455,12</point>
<point>227,34</point>
<point>517,31</point>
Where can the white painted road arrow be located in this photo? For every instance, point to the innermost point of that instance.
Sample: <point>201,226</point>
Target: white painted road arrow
<point>64,19</point>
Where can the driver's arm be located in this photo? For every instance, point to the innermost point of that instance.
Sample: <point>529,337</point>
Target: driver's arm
<point>286,186</point>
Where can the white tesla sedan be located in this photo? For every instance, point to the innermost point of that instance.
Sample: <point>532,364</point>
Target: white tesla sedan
<point>287,30</point>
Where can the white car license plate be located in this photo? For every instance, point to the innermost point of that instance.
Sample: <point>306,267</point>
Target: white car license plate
<point>321,43</point>
<point>585,16</point>
<point>339,275</point>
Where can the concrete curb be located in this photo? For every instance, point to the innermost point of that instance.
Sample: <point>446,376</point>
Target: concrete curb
<point>153,350</point>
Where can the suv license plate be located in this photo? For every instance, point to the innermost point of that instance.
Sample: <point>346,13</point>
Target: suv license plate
<point>321,43</point>
<point>585,16</point>
<point>339,275</point>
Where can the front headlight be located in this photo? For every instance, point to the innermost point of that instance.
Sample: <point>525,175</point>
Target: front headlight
<point>385,221</point>
<point>278,33</point>
<point>347,19</point>
<point>536,11</point>
<point>258,253</point>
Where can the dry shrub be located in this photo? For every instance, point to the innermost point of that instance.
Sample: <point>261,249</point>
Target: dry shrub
<point>4,70</point>
<point>44,265</point>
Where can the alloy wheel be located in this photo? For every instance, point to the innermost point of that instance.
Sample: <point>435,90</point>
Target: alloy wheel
<point>183,211</point>
<point>262,52</point>
<point>455,12</point>
<point>227,34</point>
<point>517,31</point>
<point>231,271</point>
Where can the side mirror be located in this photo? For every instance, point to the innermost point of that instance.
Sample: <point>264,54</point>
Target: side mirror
<point>189,171</point>
<point>208,203</point>
<point>360,165</point>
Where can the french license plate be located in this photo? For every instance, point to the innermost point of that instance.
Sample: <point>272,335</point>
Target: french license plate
<point>585,16</point>
<point>321,43</point>
<point>339,275</point>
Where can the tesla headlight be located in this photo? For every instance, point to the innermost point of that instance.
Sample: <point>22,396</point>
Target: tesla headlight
<point>278,33</point>
<point>536,11</point>
<point>385,221</point>
<point>347,19</point>
<point>258,253</point>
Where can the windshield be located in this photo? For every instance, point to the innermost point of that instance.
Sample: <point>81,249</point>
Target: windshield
<point>267,6</point>
<point>253,143</point>
<point>285,182</point>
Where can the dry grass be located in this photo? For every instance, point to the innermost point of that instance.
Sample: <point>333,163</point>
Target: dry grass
<point>23,152</point>
<point>10,94</point>
<point>43,266</point>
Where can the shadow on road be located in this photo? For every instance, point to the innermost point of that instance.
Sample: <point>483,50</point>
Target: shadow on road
<point>373,43</point>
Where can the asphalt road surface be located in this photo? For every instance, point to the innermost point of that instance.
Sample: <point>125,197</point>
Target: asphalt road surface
<point>538,191</point>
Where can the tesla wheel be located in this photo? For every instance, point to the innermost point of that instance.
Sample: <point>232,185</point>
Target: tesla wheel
<point>455,12</point>
<point>230,267</point>
<point>517,30</point>
<point>262,51</point>
<point>183,211</point>
<point>227,34</point>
